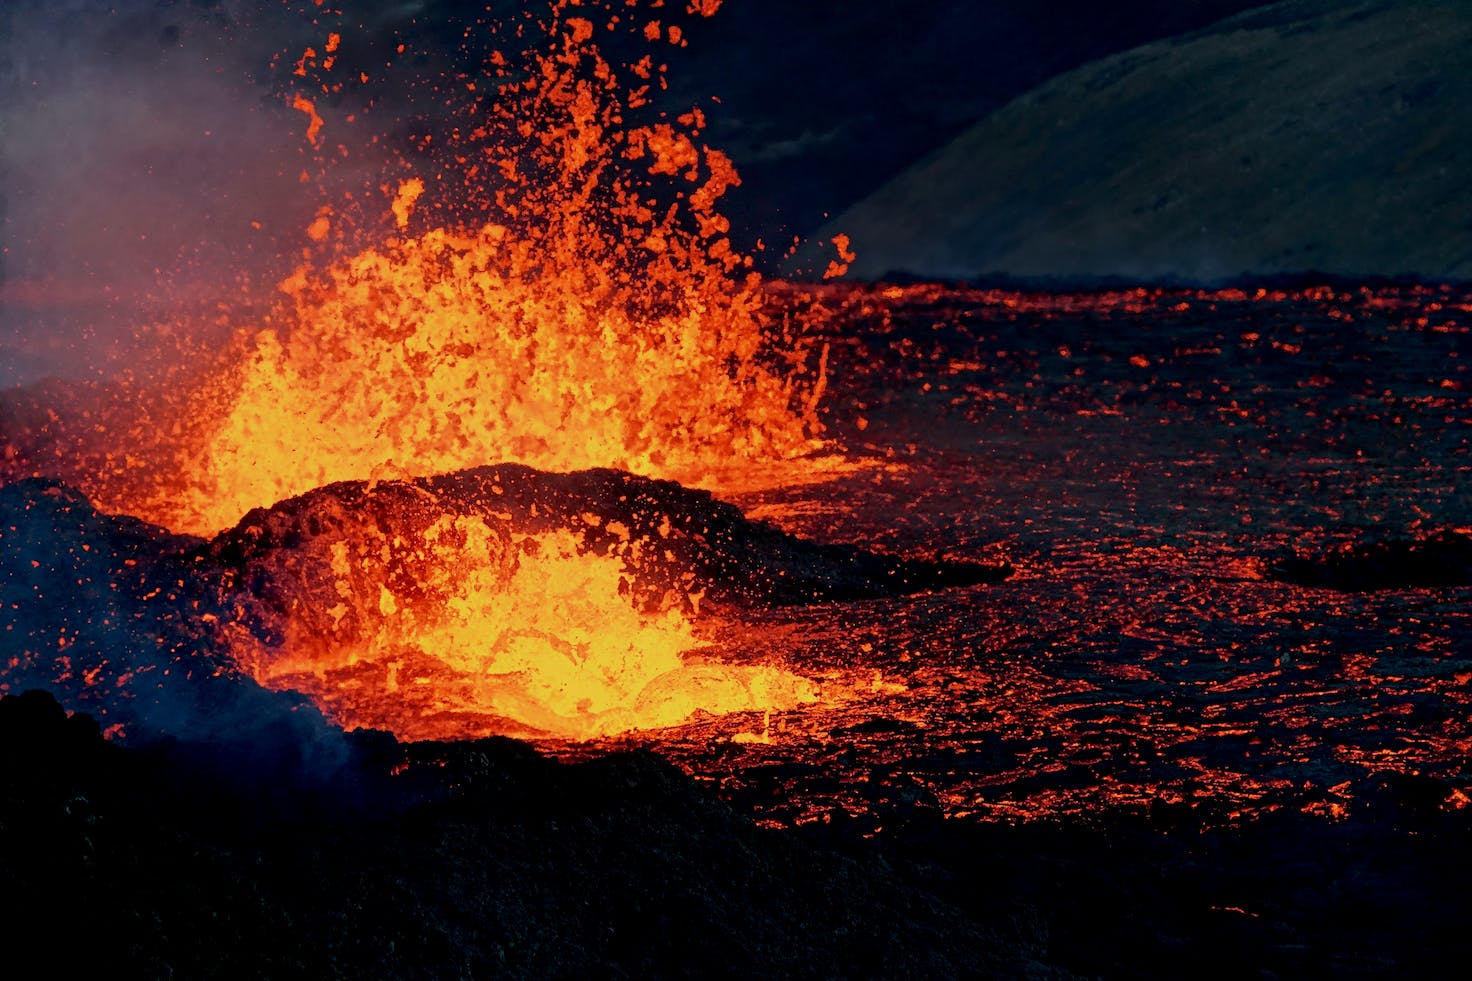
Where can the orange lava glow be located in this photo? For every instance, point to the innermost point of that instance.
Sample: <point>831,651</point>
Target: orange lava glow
<point>569,299</point>
<point>436,353</point>
<point>452,625</point>
<point>595,320</point>
<point>600,317</point>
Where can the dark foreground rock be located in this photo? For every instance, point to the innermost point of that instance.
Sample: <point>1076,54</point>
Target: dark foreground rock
<point>485,859</point>
<point>477,859</point>
<point>1442,560</point>
<point>1376,892</point>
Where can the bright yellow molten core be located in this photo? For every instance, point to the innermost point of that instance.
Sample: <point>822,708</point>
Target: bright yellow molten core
<point>461,649</point>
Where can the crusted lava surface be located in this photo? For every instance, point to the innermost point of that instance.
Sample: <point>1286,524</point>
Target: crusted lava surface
<point>1440,560</point>
<point>704,544</point>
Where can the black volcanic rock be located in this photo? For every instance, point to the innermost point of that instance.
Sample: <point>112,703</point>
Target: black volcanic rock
<point>1442,560</point>
<point>1307,136</point>
<point>691,542</point>
<point>480,859</point>
<point>734,559</point>
<point>486,859</point>
<point>39,741</point>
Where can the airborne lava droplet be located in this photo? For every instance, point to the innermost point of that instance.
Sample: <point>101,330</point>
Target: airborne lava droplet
<point>839,267</point>
<point>404,201</point>
<point>314,121</point>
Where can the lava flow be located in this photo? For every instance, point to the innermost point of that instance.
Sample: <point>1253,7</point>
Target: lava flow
<point>568,299</point>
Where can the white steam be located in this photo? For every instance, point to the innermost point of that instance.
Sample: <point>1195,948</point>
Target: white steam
<point>146,168</point>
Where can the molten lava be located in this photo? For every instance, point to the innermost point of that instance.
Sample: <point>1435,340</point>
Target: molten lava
<point>583,326</point>
<point>396,608</point>
<point>553,285</point>
<point>560,293</point>
<point>438,353</point>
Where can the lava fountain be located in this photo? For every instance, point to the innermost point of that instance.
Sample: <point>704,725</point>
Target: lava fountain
<point>563,295</point>
<point>549,284</point>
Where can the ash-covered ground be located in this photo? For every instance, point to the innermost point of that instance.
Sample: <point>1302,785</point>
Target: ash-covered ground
<point>1215,722</point>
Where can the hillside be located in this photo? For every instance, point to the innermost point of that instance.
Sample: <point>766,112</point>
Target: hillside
<point>1306,136</point>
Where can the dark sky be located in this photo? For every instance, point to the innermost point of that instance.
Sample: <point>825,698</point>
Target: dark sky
<point>821,101</point>
<point>824,100</point>
<point>140,137</point>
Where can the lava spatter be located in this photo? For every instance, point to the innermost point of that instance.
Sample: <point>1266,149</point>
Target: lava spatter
<point>547,280</point>
<point>567,299</point>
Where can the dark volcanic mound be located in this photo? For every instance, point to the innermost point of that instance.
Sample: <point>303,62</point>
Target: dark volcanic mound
<point>1442,560</point>
<point>673,542</point>
<point>735,559</point>
<point>703,544</point>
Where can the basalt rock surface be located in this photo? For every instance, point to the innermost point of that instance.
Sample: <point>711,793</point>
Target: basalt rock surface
<point>734,559</point>
<point>1439,561</point>
<point>476,859</point>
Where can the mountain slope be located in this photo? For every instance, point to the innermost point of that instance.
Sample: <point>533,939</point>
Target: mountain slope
<point>1306,136</point>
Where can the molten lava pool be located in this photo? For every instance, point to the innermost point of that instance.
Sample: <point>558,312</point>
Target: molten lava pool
<point>1145,461</point>
<point>1142,458</point>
